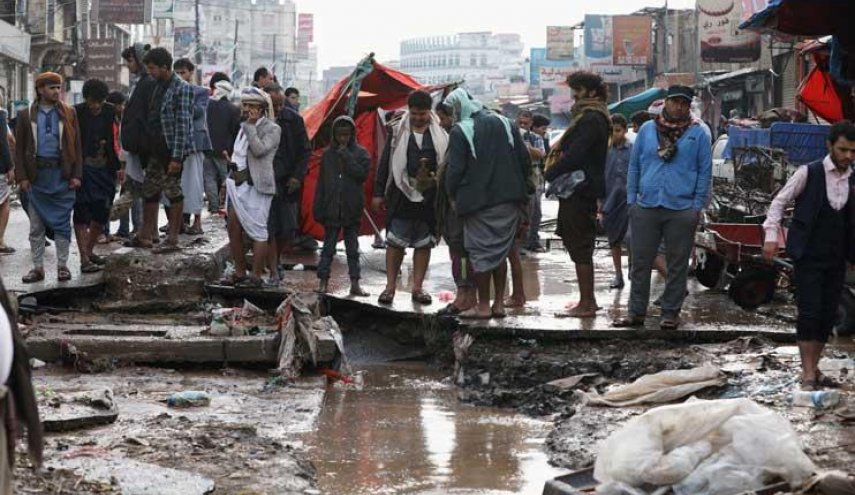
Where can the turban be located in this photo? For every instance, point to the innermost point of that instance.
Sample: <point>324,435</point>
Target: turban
<point>48,78</point>
<point>259,97</point>
<point>223,89</point>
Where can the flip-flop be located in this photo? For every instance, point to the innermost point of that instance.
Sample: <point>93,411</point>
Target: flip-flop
<point>136,242</point>
<point>669,324</point>
<point>33,276</point>
<point>7,250</point>
<point>386,298</point>
<point>450,310</point>
<point>63,274</point>
<point>472,314</point>
<point>166,248</point>
<point>498,316</point>
<point>422,297</point>
<point>826,381</point>
<point>90,268</point>
<point>629,322</point>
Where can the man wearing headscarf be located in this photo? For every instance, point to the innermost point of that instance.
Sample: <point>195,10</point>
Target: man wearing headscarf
<point>486,179</point>
<point>252,184</point>
<point>49,165</point>
<point>406,183</point>
<point>581,151</point>
<point>223,127</point>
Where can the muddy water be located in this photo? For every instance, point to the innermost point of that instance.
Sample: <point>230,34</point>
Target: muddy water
<point>406,432</point>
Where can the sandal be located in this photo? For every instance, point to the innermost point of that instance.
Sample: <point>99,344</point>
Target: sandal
<point>34,275</point>
<point>629,322</point>
<point>386,298</point>
<point>90,267</point>
<point>194,230</point>
<point>7,250</point>
<point>249,282</point>
<point>422,297</point>
<point>136,242</point>
<point>669,323</point>
<point>166,248</point>
<point>450,310</point>
<point>98,260</point>
<point>63,274</point>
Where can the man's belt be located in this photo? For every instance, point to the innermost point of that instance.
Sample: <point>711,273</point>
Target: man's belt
<point>240,176</point>
<point>42,163</point>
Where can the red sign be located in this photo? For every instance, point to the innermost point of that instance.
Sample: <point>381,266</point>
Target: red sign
<point>306,27</point>
<point>631,39</point>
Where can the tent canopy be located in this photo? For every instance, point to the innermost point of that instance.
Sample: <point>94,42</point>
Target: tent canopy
<point>802,17</point>
<point>641,101</point>
<point>378,88</point>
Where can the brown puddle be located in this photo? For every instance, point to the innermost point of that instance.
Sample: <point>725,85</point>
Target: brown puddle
<point>406,432</point>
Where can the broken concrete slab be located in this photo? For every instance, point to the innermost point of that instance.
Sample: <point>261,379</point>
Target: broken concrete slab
<point>149,344</point>
<point>138,478</point>
<point>77,410</point>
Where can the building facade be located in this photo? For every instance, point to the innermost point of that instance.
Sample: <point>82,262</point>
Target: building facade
<point>484,60</point>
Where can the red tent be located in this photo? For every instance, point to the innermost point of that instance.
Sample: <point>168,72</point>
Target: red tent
<point>378,88</point>
<point>819,92</point>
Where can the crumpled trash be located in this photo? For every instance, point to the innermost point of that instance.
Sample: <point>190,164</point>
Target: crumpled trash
<point>659,388</point>
<point>831,483</point>
<point>717,447</point>
<point>188,398</point>
<point>239,322</point>
<point>301,328</point>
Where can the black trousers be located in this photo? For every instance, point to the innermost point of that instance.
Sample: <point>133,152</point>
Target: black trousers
<point>819,284</point>
<point>351,244</point>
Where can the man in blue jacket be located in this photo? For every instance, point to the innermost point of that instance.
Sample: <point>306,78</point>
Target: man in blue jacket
<point>668,186</point>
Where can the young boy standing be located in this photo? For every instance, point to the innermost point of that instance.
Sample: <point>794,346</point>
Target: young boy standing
<point>340,200</point>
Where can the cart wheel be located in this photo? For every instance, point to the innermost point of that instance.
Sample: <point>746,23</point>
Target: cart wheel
<point>752,288</point>
<point>709,272</point>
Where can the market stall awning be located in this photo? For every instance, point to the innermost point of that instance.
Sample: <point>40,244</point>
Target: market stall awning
<point>638,102</point>
<point>802,17</point>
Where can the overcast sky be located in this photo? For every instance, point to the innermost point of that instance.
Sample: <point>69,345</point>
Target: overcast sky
<point>347,30</point>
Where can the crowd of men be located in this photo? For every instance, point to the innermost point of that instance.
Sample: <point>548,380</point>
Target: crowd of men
<point>450,170</point>
<point>169,143</point>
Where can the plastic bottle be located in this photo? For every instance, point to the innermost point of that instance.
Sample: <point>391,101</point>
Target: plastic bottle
<point>188,398</point>
<point>820,399</point>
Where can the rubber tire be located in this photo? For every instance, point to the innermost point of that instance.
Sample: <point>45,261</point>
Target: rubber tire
<point>753,288</point>
<point>710,275</point>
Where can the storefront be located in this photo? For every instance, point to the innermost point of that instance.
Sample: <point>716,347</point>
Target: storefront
<point>14,61</point>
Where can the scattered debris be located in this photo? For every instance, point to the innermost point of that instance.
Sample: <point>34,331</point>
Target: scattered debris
<point>239,322</point>
<point>307,339</point>
<point>659,388</point>
<point>77,410</point>
<point>572,382</point>
<point>188,398</point>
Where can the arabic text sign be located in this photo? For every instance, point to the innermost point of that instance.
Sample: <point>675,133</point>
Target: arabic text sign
<point>102,60</point>
<point>306,27</point>
<point>122,11</point>
<point>721,39</point>
<point>559,42</point>
<point>553,77</point>
<point>631,39</point>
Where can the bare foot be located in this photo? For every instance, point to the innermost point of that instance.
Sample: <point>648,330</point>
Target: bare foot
<point>498,311</point>
<point>515,301</point>
<point>580,311</point>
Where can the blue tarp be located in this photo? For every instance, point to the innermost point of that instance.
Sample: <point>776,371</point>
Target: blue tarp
<point>801,17</point>
<point>803,143</point>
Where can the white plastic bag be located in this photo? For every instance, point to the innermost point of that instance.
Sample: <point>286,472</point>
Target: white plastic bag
<point>693,445</point>
<point>659,388</point>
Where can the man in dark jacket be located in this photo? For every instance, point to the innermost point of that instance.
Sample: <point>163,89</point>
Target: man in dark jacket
<point>134,137</point>
<point>100,172</point>
<point>339,200</point>
<point>17,397</point>
<point>488,169</point>
<point>223,127</point>
<point>289,165</point>
<point>584,147</point>
<point>819,241</point>
<point>406,184</point>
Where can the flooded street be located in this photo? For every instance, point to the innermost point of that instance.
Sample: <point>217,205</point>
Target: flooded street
<point>406,432</point>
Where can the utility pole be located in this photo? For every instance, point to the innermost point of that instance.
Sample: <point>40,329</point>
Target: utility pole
<point>198,45</point>
<point>667,66</point>
<point>273,65</point>
<point>234,50</point>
